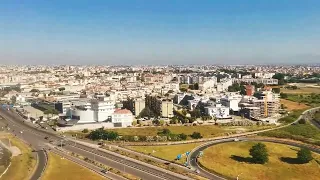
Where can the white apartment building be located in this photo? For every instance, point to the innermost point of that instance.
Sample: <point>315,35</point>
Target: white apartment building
<point>208,84</point>
<point>231,101</point>
<point>93,111</point>
<point>122,118</point>
<point>264,75</point>
<point>218,111</point>
<point>224,84</point>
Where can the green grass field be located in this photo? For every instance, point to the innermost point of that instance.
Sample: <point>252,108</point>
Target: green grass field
<point>308,99</point>
<point>219,158</point>
<point>24,164</point>
<point>301,132</point>
<point>167,152</point>
<point>64,169</point>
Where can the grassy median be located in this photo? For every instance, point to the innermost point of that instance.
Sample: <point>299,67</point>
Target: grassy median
<point>231,159</point>
<point>64,169</point>
<point>167,152</point>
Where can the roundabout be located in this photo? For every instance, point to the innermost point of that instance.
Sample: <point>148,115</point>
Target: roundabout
<point>227,159</point>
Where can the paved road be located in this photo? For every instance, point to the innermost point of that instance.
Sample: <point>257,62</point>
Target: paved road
<point>32,140</point>
<point>36,136</point>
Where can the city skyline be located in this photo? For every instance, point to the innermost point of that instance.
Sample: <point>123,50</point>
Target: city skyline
<point>159,32</point>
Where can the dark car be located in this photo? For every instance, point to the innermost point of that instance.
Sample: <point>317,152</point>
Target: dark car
<point>104,171</point>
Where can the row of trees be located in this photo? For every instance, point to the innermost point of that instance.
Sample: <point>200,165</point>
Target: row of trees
<point>103,134</point>
<point>164,135</point>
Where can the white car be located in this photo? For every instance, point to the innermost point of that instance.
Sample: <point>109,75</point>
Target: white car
<point>21,132</point>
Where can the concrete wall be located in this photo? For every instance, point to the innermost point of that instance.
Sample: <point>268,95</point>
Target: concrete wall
<point>80,127</point>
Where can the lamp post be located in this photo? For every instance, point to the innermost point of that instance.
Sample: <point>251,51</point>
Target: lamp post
<point>124,166</point>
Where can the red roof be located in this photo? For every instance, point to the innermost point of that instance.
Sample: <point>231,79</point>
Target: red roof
<point>122,111</point>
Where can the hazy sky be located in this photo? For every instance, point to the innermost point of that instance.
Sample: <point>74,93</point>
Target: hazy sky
<point>159,31</point>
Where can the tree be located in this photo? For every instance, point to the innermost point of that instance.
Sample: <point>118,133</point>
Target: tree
<point>195,113</point>
<point>170,91</point>
<point>166,131</point>
<point>276,90</point>
<point>196,135</point>
<point>196,86</point>
<point>183,136</point>
<point>183,89</point>
<point>259,153</point>
<point>161,122</point>
<point>304,155</point>
<point>146,112</point>
<point>34,90</point>
<point>283,95</point>
<point>47,112</point>
<point>156,122</point>
<point>13,99</point>
<point>62,88</point>
<point>302,121</point>
<point>85,131</point>
<point>260,85</point>
<point>280,78</point>
<point>174,120</point>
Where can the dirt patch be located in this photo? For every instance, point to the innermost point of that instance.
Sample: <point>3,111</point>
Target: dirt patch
<point>15,151</point>
<point>291,105</point>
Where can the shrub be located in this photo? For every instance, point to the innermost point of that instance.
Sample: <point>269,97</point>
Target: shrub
<point>183,136</point>
<point>302,121</point>
<point>85,131</point>
<point>196,135</point>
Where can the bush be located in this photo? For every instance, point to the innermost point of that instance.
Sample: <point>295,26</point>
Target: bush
<point>85,131</point>
<point>183,136</point>
<point>304,155</point>
<point>302,121</point>
<point>259,153</point>
<point>102,134</point>
<point>196,135</point>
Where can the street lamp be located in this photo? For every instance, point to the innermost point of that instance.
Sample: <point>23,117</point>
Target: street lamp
<point>124,166</point>
<point>94,155</point>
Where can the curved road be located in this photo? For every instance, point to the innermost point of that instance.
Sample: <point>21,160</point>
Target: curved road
<point>32,141</point>
<point>192,158</point>
<point>36,137</point>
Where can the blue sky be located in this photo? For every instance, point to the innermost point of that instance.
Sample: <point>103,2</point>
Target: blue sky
<point>159,31</point>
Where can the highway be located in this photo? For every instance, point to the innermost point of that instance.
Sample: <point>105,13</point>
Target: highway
<point>36,139</point>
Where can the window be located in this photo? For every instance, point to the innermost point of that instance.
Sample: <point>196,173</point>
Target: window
<point>75,117</point>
